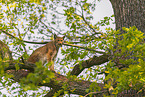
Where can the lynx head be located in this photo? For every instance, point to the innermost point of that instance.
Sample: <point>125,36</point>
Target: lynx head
<point>58,40</point>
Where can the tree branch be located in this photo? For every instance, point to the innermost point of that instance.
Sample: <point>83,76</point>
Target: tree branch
<point>28,66</point>
<point>8,34</point>
<point>88,63</point>
<point>76,86</point>
<point>51,92</point>
<point>95,93</point>
<point>22,40</point>
<point>83,48</point>
<point>47,42</point>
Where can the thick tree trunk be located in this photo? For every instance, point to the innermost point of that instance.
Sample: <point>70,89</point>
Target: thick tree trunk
<point>129,13</point>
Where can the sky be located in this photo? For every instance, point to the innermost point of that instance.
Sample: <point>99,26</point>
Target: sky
<point>103,8</point>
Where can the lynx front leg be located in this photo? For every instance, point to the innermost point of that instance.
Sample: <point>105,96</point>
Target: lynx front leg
<point>50,61</point>
<point>51,67</point>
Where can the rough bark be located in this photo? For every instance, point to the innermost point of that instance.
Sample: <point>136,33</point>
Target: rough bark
<point>89,63</point>
<point>78,86</point>
<point>129,13</point>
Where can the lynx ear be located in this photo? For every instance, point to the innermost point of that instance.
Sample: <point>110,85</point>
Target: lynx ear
<point>55,36</point>
<point>63,37</point>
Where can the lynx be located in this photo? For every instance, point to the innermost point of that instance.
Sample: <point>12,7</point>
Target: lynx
<point>48,52</point>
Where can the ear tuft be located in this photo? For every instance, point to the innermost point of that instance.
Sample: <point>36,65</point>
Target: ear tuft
<point>55,36</point>
<point>63,37</point>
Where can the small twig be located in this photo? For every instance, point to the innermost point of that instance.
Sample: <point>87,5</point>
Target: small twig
<point>82,16</point>
<point>8,34</point>
<point>95,93</point>
<point>140,90</point>
<point>48,27</point>
<point>20,38</point>
<point>91,27</point>
<point>83,48</point>
<point>59,13</point>
<point>35,42</point>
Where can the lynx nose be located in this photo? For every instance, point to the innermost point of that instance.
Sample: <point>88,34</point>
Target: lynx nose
<point>59,44</point>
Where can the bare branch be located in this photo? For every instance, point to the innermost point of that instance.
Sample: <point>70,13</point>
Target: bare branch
<point>83,48</point>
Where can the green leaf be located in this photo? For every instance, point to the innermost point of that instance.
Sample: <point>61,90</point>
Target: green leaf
<point>17,67</point>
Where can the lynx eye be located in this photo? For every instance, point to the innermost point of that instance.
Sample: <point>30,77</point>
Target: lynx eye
<point>57,40</point>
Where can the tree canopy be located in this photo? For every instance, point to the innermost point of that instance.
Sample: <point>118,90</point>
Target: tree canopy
<point>92,62</point>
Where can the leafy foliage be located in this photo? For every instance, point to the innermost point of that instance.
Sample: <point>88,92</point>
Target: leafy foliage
<point>126,67</point>
<point>38,20</point>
